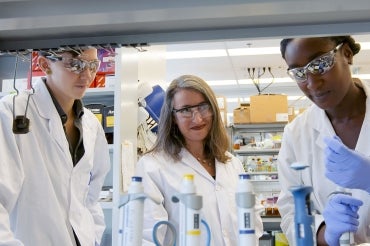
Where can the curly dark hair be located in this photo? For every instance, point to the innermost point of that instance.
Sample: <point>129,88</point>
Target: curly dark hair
<point>355,47</point>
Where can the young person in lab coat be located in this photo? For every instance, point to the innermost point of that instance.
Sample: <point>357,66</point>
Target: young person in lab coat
<point>51,177</point>
<point>331,137</point>
<point>192,140</point>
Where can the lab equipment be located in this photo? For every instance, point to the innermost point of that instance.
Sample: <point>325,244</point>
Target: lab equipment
<point>190,218</point>
<point>130,231</point>
<point>245,201</point>
<point>341,217</point>
<point>347,238</point>
<point>21,124</point>
<point>303,218</point>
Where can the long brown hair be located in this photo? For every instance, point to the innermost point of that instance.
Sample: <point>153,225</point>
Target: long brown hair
<point>170,139</point>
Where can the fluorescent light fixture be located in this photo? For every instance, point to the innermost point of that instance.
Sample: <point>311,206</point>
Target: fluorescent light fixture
<point>171,55</point>
<point>254,51</point>
<point>221,82</point>
<point>195,54</point>
<point>233,52</point>
<point>365,45</point>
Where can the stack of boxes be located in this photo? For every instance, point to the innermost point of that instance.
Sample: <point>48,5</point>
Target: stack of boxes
<point>264,108</point>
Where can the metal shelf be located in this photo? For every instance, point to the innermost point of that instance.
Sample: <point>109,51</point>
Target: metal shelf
<point>99,92</point>
<point>256,151</point>
<point>276,126</point>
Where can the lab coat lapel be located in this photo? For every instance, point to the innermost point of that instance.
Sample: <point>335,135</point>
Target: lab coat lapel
<point>47,110</point>
<point>363,141</point>
<point>322,126</point>
<point>88,134</point>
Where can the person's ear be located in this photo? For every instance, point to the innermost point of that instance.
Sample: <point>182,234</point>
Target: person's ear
<point>348,54</point>
<point>44,64</point>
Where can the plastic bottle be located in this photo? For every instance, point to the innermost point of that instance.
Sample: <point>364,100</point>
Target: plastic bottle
<point>132,212</point>
<point>190,206</point>
<point>245,201</point>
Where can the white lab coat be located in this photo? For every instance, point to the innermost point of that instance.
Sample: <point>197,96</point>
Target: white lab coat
<point>41,194</point>
<point>162,178</point>
<point>303,142</point>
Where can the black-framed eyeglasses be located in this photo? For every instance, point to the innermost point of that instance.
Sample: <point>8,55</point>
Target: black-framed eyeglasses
<point>204,109</point>
<point>320,65</point>
<point>76,65</point>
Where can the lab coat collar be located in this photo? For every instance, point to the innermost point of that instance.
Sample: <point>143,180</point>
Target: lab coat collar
<point>363,145</point>
<point>189,160</point>
<point>46,110</point>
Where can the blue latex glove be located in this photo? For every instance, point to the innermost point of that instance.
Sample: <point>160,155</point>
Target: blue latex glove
<point>345,167</point>
<point>340,216</point>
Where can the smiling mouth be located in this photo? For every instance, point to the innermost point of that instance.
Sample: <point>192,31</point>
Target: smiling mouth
<point>198,127</point>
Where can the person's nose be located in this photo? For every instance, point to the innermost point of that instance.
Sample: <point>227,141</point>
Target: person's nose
<point>87,73</point>
<point>197,117</point>
<point>313,81</point>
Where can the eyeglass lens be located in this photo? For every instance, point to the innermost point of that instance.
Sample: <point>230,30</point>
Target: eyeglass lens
<point>319,65</point>
<point>79,65</point>
<point>188,112</point>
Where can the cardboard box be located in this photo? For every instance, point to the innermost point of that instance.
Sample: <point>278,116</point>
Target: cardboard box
<point>268,108</point>
<point>242,114</point>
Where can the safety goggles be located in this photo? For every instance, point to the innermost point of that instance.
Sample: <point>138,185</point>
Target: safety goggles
<point>204,109</point>
<point>77,65</point>
<point>317,66</point>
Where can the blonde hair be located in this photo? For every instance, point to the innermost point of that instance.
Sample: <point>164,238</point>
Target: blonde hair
<point>170,139</point>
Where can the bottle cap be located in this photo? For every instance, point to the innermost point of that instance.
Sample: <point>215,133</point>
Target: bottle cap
<point>189,177</point>
<point>136,179</point>
<point>244,176</point>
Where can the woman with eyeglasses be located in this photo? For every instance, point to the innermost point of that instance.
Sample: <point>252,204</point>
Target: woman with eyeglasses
<point>51,175</point>
<point>331,137</point>
<point>192,140</point>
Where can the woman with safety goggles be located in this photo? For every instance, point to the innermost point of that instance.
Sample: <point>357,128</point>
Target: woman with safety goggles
<point>192,140</point>
<point>51,177</point>
<point>331,137</point>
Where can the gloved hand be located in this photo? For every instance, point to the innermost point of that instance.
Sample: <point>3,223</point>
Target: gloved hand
<point>345,167</point>
<point>340,216</point>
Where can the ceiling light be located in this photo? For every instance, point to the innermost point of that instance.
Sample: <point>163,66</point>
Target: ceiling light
<point>221,82</point>
<point>254,51</point>
<point>195,54</point>
<point>365,45</point>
